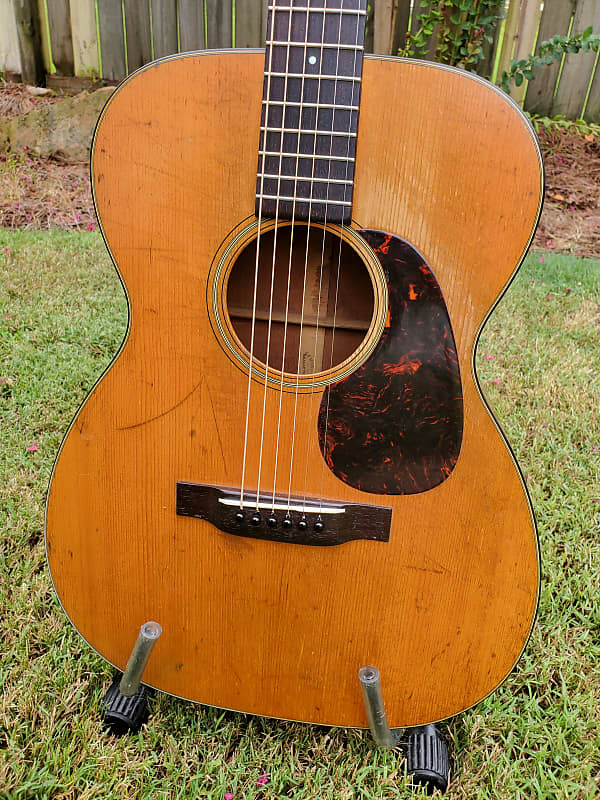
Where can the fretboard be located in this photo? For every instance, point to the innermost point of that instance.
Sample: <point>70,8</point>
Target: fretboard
<point>309,123</point>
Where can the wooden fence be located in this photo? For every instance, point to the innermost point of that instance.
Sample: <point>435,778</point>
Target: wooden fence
<point>111,38</point>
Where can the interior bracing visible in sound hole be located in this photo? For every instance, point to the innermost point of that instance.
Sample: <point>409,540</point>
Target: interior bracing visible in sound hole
<point>311,334</point>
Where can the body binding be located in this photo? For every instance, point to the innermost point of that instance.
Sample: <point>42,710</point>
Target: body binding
<point>444,608</point>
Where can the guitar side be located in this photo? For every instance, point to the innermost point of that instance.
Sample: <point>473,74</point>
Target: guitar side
<point>444,607</point>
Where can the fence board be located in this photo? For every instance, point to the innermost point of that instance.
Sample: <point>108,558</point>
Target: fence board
<point>422,7</point>
<point>578,67</point>
<point>164,27</point>
<point>219,23</point>
<point>72,34</point>
<point>137,28</point>
<point>191,25</point>
<point>112,41</point>
<point>85,44</point>
<point>418,8</point>
<point>508,40</point>
<point>45,35</point>
<point>592,109</point>
<point>382,21</point>
<point>401,18</point>
<point>249,23</point>
<point>9,44</point>
<point>61,40</point>
<point>30,41</point>
<point>369,21</point>
<point>525,41</point>
<point>485,67</point>
<point>556,18</point>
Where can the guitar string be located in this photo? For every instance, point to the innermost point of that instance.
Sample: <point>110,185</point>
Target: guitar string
<point>337,283</point>
<point>258,234</point>
<point>275,232</point>
<point>289,275</point>
<point>322,267</point>
<point>308,230</point>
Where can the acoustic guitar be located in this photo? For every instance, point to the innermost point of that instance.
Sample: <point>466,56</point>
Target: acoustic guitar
<point>289,464</point>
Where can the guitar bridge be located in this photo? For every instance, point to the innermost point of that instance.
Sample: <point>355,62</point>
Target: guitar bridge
<point>283,519</point>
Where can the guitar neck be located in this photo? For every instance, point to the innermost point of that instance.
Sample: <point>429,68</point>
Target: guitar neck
<point>309,123</point>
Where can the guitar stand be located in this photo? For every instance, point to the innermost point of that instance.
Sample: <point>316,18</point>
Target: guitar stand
<point>126,710</point>
<point>126,702</point>
<point>425,749</point>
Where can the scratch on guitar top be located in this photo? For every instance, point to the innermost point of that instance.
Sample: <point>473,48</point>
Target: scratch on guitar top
<point>212,406</point>
<point>439,653</point>
<point>163,413</point>
<point>439,571</point>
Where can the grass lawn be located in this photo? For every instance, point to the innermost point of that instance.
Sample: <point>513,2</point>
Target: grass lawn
<point>62,317</point>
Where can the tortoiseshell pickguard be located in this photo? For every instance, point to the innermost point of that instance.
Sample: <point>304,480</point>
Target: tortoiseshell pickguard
<point>395,425</point>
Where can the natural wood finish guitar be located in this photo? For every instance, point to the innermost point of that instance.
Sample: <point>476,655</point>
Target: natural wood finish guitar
<point>445,606</point>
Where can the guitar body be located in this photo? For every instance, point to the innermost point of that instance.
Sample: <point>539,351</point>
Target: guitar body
<point>448,184</point>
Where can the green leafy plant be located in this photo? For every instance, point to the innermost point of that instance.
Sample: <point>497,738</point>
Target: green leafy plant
<point>549,51</point>
<point>454,31</point>
<point>560,123</point>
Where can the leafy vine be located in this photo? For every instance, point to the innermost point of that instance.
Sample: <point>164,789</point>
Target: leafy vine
<point>453,31</point>
<point>549,51</point>
<point>456,32</point>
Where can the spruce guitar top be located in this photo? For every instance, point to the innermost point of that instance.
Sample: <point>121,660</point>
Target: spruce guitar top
<point>289,464</point>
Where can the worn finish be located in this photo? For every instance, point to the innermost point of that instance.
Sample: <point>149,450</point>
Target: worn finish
<point>395,425</point>
<point>268,628</point>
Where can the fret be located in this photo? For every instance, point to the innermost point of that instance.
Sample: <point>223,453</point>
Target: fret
<point>308,179</point>
<point>304,155</point>
<point>302,199</point>
<point>315,77</point>
<point>319,45</point>
<point>356,11</point>
<point>305,130</point>
<point>294,104</point>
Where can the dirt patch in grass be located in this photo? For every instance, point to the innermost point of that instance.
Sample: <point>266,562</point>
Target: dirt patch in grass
<point>570,220</point>
<point>43,192</point>
<point>38,193</point>
<point>17,99</point>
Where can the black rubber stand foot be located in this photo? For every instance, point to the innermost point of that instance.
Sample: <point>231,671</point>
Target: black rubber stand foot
<point>125,714</point>
<point>427,758</point>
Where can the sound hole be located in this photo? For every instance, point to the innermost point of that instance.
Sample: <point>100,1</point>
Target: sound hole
<point>327,332</point>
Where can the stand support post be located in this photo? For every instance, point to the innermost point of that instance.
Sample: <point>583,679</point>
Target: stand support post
<point>370,683</point>
<point>130,682</point>
<point>426,751</point>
